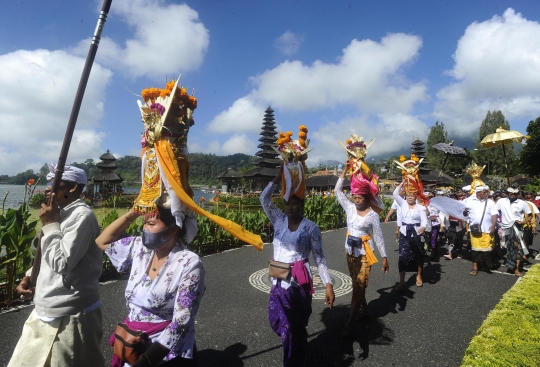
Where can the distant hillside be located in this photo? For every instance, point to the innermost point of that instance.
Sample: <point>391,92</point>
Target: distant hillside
<point>204,168</point>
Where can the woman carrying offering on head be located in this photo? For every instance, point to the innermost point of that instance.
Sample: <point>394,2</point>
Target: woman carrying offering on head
<point>289,306</point>
<point>414,220</point>
<point>363,227</point>
<point>167,281</point>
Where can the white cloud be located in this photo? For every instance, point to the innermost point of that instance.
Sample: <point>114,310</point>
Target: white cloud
<point>211,147</point>
<point>289,43</point>
<point>497,67</point>
<point>237,143</point>
<point>368,77</point>
<point>168,39</point>
<point>36,97</point>
<point>244,115</point>
<point>393,134</point>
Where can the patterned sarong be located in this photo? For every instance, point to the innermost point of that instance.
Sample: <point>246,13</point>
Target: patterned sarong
<point>288,314</point>
<point>510,240</point>
<point>434,235</point>
<point>410,249</point>
<point>359,270</point>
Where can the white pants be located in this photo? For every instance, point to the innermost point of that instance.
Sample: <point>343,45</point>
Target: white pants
<point>67,341</point>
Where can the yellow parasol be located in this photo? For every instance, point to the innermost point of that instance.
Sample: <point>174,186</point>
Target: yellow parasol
<point>502,137</point>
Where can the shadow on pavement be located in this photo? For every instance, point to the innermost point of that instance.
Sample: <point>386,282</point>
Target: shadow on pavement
<point>392,301</point>
<point>229,357</point>
<point>432,273</point>
<point>329,348</point>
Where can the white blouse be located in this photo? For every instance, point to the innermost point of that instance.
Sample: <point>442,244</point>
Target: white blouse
<point>408,215</point>
<point>360,226</point>
<point>290,247</point>
<point>173,295</point>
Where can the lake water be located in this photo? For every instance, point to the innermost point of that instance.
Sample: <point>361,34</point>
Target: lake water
<point>16,194</point>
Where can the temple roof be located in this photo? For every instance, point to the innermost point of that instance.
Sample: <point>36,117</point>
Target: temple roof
<point>107,177</point>
<point>107,157</point>
<point>229,173</point>
<point>325,181</point>
<point>262,172</point>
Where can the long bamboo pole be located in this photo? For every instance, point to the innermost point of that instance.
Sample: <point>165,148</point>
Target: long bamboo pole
<point>73,118</point>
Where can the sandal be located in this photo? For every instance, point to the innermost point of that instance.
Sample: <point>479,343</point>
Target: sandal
<point>518,274</point>
<point>419,283</point>
<point>474,272</point>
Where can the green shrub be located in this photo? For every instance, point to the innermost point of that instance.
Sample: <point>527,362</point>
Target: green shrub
<point>510,335</point>
<point>119,201</point>
<point>109,218</point>
<point>38,198</point>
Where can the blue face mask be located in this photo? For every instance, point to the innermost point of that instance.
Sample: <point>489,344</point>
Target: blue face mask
<point>153,240</point>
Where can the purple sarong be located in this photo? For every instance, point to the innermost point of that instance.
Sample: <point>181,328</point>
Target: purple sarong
<point>150,328</point>
<point>288,314</point>
<point>434,235</point>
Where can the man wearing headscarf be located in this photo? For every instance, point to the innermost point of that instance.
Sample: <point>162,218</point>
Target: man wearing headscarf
<point>65,328</point>
<point>512,212</point>
<point>481,211</point>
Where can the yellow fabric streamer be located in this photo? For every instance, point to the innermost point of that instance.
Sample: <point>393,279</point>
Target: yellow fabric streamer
<point>370,256</point>
<point>168,162</point>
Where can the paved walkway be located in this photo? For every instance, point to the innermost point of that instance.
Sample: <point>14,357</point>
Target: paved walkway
<point>428,326</point>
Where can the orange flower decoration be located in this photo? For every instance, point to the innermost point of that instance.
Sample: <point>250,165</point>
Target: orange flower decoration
<point>303,128</point>
<point>402,158</point>
<point>31,181</point>
<point>192,104</point>
<point>150,94</point>
<point>349,141</point>
<point>302,135</point>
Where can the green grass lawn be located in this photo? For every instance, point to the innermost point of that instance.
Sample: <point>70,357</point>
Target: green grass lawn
<point>510,336</point>
<point>100,214</point>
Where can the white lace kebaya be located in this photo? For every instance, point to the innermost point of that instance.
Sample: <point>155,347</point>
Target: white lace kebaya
<point>408,215</point>
<point>360,226</point>
<point>290,247</point>
<point>174,294</point>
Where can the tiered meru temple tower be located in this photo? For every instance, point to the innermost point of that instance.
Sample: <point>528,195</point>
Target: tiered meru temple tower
<point>267,163</point>
<point>418,148</point>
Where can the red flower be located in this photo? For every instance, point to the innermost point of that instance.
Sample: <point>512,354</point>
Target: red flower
<point>31,181</point>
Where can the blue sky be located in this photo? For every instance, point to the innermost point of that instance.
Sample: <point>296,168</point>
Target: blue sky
<point>385,70</point>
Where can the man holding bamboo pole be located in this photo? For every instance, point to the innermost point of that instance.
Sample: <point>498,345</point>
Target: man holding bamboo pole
<point>65,328</point>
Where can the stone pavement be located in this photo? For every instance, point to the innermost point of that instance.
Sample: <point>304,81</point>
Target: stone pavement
<point>427,326</point>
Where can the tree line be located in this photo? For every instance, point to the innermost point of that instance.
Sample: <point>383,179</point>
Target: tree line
<point>204,168</point>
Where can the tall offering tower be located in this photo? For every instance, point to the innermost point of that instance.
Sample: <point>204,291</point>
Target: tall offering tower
<point>267,163</point>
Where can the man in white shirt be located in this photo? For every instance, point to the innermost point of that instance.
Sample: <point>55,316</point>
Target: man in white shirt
<point>512,212</point>
<point>482,215</point>
<point>65,327</point>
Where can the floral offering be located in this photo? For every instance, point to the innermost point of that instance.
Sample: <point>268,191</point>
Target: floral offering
<point>293,150</point>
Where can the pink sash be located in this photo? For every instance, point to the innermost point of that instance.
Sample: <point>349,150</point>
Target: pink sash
<point>150,328</point>
<point>300,273</point>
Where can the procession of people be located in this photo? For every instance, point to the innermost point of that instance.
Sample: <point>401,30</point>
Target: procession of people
<point>167,281</point>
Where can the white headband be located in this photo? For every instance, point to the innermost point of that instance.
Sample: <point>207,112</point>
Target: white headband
<point>72,174</point>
